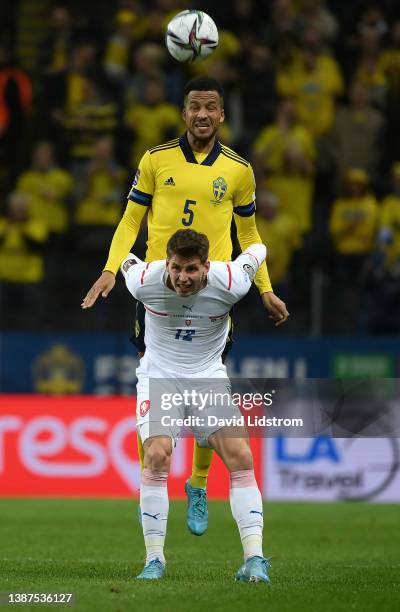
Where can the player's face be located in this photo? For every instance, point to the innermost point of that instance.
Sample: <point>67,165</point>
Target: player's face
<point>187,274</point>
<point>203,114</point>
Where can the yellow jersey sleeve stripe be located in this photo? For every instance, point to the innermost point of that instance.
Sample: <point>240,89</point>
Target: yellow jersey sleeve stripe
<point>235,159</point>
<point>233,154</point>
<point>163,144</point>
<point>166,145</point>
<point>140,197</point>
<point>245,211</point>
<point>163,149</point>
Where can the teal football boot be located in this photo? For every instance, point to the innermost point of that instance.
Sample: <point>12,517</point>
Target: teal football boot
<point>255,569</point>
<point>155,570</point>
<point>197,509</point>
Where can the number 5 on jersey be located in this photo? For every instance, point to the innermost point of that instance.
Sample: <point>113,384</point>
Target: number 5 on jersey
<point>188,211</point>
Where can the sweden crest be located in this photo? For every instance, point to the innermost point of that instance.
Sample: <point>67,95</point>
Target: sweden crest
<point>220,187</point>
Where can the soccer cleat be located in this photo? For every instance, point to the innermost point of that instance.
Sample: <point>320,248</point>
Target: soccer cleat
<point>197,509</point>
<point>255,569</point>
<point>152,571</point>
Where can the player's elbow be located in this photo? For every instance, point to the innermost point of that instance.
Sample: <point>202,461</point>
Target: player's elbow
<point>259,250</point>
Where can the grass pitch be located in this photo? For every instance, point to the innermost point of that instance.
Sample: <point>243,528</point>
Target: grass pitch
<point>339,557</point>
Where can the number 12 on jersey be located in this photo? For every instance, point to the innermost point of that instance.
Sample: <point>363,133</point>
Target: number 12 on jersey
<point>185,334</point>
<point>188,211</point>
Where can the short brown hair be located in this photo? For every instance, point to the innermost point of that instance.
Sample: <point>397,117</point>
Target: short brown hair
<point>188,243</point>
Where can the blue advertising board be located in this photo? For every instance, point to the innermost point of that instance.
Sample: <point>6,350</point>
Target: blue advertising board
<point>104,364</point>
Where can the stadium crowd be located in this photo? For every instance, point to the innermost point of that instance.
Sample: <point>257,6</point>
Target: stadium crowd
<point>312,97</point>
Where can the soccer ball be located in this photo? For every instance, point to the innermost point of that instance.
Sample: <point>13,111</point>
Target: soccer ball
<point>191,36</point>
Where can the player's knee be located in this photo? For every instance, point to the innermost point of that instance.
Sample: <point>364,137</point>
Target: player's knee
<point>241,459</point>
<point>158,456</point>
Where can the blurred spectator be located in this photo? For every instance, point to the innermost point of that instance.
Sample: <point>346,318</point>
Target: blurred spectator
<point>147,63</point>
<point>389,231</point>
<point>22,242</point>
<point>245,18</point>
<point>48,187</point>
<point>368,69</point>
<point>229,47</point>
<point>155,22</point>
<point>119,46</point>
<point>353,226</point>
<point>314,80</point>
<point>316,15</point>
<point>102,186</point>
<point>153,121</point>
<point>389,63</point>
<point>357,134</point>
<point>64,90</point>
<point>85,121</point>
<point>284,163</point>
<point>55,52</point>
<point>380,303</point>
<point>389,59</point>
<point>257,88</point>
<point>15,110</point>
<point>280,233</point>
<point>279,31</point>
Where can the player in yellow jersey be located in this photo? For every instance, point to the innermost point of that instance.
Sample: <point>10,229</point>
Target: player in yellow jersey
<point>193,181</point>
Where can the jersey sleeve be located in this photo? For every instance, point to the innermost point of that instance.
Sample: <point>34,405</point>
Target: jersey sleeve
<point>142,189</point>
<point>125,235</point>
<point>139,200</point>
<point>133,268</point>
<point>244,197</point>
<point>245,267</point>
<point>247,234</point>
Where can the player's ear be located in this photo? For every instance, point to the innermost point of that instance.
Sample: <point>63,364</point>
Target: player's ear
<point>207,266</point>
<point>184,113</point>
<point>222,117</point>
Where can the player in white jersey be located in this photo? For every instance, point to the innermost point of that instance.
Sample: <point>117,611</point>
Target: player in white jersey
<point>187,301</point>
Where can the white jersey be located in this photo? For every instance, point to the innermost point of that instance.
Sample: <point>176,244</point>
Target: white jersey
<point>188,334</point>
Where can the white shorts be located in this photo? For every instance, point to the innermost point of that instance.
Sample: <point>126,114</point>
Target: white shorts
<point>156,416</point>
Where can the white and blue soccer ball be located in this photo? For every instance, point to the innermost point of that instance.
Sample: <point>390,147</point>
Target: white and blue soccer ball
<point>191,36</point>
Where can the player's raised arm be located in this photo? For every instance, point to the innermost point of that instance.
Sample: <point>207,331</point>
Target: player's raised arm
<point>139,200</point>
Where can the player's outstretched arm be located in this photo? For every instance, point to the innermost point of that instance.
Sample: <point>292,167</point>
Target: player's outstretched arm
<point>103,286</point>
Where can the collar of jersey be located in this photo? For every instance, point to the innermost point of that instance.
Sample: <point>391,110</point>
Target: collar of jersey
<point>189,155</point>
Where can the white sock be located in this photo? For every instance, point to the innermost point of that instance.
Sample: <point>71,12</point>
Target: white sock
<point>154,505</point>
<point>246,506</point>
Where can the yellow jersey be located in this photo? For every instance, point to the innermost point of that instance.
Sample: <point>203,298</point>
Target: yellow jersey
<point>314,91</point>
<point>353,224</point>
<point>181,189</point>
<point>48,191</point>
